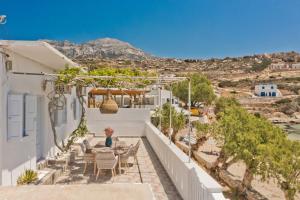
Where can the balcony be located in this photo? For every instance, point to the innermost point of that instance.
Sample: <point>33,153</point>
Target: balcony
<point>163,171</point>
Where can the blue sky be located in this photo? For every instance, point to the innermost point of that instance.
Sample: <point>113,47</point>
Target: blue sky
<point>168,28</point>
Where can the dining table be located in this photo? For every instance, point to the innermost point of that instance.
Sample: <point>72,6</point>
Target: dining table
<point>118,147</point>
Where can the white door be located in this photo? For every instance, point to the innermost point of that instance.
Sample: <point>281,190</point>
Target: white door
<point>39,130</point>
<point>15,110</point>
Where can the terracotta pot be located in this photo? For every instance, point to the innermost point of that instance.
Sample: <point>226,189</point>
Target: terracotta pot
<point>109,106</point>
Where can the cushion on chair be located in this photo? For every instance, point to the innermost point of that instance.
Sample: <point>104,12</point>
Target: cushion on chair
<point>88,151</point>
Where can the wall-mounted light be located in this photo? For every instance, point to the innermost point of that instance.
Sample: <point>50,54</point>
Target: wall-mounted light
<point>44,85</point>
<point>2,19</point>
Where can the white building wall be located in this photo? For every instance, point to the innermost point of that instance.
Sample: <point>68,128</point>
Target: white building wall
<point>296,66</point>
<point>279,66</point>
<point>23,64</point>
<point>127,122</point>
<point>165,96</point>
<point>19,154</point>
<point>2,85</point>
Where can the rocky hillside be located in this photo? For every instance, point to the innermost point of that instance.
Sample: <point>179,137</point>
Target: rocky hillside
<point>116,53</point>
<point>106,48</point>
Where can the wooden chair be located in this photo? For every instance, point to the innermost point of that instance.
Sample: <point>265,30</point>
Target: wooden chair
<point>106,160</point>
<point>134,151</point>
<point>115,139</point>
<point>88,156</point>
<point>124,157</point>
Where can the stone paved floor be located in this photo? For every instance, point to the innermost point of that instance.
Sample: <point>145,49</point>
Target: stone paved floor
<point>149,170</point>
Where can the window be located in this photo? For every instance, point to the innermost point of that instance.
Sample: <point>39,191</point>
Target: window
<point>272,87</point>
<point>56,118</point>
<point>21,115</point>
<point>74,107</point>
<point>30,114</point>
<point>79,112</point>
<point>149,100</point>
<point>263,87</point>
<point>65,113</point>
<point>60,116</point>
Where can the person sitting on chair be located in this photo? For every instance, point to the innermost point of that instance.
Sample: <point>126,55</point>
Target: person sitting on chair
<point>108,132</point>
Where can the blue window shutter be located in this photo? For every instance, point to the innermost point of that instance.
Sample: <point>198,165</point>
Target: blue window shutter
<point>30,114</point>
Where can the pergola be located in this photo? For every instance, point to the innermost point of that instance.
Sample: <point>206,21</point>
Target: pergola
<point>158,80</point>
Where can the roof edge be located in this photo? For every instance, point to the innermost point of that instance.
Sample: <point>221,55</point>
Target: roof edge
<point>4,43</point>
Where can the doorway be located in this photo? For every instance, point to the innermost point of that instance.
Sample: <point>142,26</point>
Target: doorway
<point>39,128</point>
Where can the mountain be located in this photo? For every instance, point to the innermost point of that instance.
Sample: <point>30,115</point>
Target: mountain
<point>119,54</point>
<point>105,48</point>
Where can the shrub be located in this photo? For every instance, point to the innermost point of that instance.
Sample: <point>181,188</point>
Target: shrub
<point>283,101</point>
<point>224,84</point>
<point>29,176</point>
<point>257,67</point>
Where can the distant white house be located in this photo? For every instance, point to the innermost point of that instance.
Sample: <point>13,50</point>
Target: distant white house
<point>295,66</point>
<point>267,90</point>
<point>281,66</point>
<point>25,130</point>
<point>153,100</point>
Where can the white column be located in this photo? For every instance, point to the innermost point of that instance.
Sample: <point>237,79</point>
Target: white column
<point>1,111</point>
<point>122,100</point>
<point>189,124</point>
<point>170,123</point>
<point>160,107</point>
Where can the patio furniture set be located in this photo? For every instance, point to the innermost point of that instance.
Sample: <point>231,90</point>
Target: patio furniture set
<point>108,158</point>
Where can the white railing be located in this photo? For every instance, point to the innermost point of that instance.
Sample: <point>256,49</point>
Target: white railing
<point>192,182</point>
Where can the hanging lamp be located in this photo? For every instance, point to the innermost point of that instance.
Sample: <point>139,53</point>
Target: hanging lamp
<point>108,106</point>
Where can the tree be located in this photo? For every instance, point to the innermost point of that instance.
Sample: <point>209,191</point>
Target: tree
<point>286,166</point>
<point>203,132</point>
<point>201,90</point>
<point>178,120</point>
<point>257,67</point>
<point>261,145</point>
<point>245,137</point>
<point>223,102</point>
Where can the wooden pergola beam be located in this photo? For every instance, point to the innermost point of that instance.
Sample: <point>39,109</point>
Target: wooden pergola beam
<point>100,91</point>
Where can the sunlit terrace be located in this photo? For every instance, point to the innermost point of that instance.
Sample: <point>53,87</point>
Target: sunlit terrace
<point>163,167</point>
<point>147,170</point>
